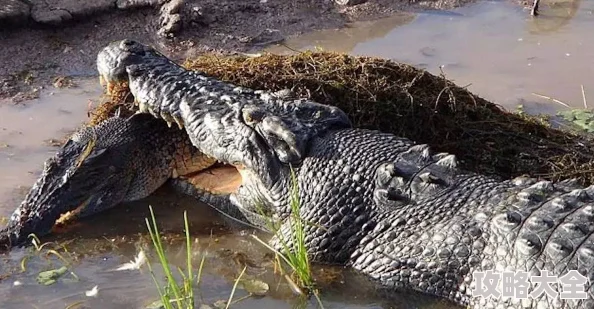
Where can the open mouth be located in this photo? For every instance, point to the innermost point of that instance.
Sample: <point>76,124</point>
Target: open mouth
<point>218,178</point>
<point>203,172</point>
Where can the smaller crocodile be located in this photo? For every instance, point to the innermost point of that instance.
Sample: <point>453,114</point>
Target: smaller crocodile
<point>99,166</point>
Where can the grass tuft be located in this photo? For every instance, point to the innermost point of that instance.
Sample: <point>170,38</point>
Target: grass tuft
<point>297,253</point>
<point>294,251</point>
<point>172,294</point>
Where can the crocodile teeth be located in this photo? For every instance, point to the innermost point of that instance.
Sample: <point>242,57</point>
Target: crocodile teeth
<point>174,174</point>
<point>179,121</point>
<point>448,161</point>
<point>167,117</point>
<point>152,112</point>
<point>143,107</point>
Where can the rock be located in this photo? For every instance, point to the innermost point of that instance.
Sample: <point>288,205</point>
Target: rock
<point>50,17</point>
<point>129,4</point>
<point>58,11</point>
<point>169,18</point>
<point>78,8</point>
<point>197,15</point>
<point>178,14</point>
<point>170,25</point>
<point>172,7</point>
<point>13,12</point>
<point>349,2</point>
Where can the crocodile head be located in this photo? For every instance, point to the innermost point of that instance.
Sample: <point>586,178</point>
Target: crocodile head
<point>254,136</point>
<point>114,60</point>
<point>96,169</point>
<point>255,148</point>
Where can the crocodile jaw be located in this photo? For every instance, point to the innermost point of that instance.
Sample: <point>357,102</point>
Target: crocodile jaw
<point>219,180</point>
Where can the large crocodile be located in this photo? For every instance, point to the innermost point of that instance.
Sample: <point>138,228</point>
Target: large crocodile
<point>406,217</point>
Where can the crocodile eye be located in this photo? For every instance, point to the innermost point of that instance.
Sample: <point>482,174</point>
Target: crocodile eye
<point>252,115</point>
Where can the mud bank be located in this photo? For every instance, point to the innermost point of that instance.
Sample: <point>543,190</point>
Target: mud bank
<point>42,40</point>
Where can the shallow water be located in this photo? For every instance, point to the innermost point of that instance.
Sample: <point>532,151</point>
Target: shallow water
<point>27,131</point>
<point>102,244</point>
<point>496,47</point>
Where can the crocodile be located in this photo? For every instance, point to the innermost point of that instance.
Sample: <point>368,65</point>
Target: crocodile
<point>408,218</point>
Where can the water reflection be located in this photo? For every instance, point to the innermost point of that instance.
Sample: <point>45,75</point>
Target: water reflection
<point>496,48</point>
<point>553,16</point>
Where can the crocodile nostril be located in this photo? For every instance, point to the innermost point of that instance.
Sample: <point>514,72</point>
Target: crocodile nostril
<point>127,42</point>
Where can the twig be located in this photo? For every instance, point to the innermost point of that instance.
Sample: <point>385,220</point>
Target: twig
<point>290,48</point>
<point>552,99</point>
<point>584,97</point>
<point>534,11</point>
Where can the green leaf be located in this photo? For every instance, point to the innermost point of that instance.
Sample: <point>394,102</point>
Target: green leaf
<point>582,123</point>
<point>583,114</point>
<point>567,115</point>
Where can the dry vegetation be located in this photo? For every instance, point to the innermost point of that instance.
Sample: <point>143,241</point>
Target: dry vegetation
<point>397,98</point>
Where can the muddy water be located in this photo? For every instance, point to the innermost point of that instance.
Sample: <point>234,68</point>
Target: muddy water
<point>496,48</point>
<point>27,132</point>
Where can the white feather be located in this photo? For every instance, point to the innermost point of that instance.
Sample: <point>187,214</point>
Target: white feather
<point>136,264</point>
<point>92,292</point>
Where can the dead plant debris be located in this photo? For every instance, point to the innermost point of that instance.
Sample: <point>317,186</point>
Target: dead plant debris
<point>63,82</point>
<point>400,99</point>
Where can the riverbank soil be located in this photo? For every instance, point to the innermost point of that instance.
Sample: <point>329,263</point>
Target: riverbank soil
<point>42,41</point>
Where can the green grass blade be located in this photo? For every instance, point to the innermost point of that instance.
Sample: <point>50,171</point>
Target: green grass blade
<point>199,276</point>
<point>190,278</point>
<point>235,287</point>
<point>156,238</point>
